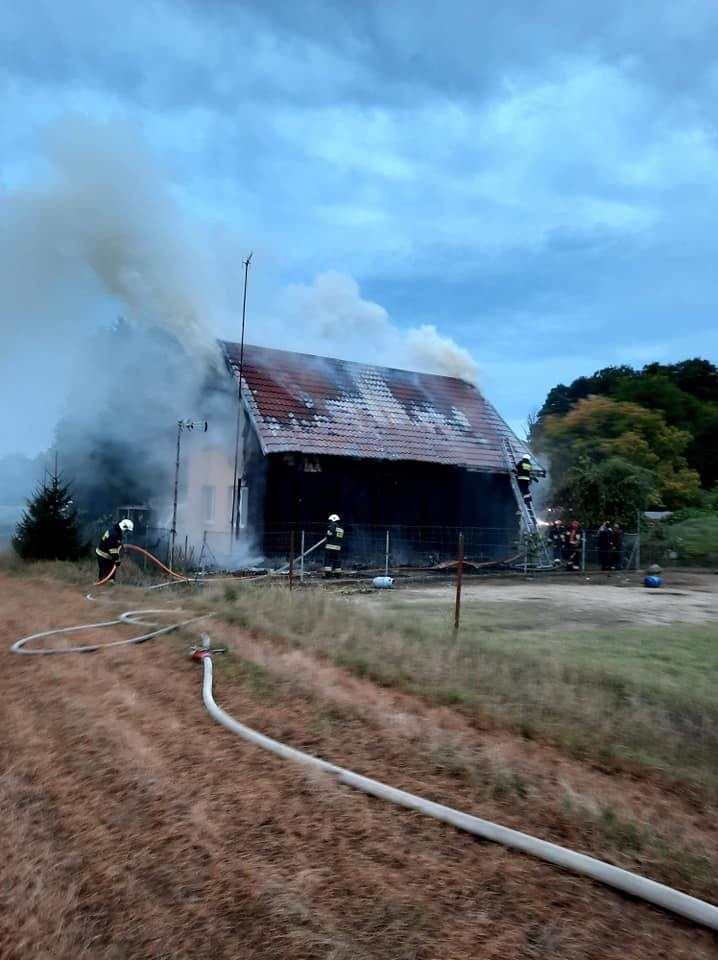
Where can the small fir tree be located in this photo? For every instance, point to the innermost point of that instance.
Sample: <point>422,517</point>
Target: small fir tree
<point>48,529</point>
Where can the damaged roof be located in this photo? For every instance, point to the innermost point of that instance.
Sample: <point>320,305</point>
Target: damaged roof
<point>317,405</point>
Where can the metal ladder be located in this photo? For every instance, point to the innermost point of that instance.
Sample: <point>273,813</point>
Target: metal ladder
<point>536,552</point>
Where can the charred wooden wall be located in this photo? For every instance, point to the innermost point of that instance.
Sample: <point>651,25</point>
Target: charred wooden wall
<point>299,490</point>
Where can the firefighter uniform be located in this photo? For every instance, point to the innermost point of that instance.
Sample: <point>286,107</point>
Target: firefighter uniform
<point>556,537</point>
<point>333,547</point>
<point>573,541</point>
<point>524,477</point>
<point>108,551</point>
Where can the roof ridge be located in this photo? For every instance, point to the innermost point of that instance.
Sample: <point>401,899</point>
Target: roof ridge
<point>354,363</point>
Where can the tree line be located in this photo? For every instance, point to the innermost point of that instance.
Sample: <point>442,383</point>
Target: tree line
<point>626,440</point>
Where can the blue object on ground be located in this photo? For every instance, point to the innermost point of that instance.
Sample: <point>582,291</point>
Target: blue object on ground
<point>383,583</point>
<point>652,582</point>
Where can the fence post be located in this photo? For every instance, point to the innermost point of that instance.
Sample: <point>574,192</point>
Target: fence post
<point>638,539</point>
<point>301,562</point>
<point>459,574</point>
<point>386,556</point>
<point>291,559</point>
<point>583,551</point>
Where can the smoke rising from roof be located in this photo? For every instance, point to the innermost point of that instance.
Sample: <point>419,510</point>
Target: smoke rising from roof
<point>96,233</point>
<point>334,318</point>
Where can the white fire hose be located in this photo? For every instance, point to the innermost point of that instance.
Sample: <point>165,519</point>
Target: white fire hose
<point>675,901</point>
<point>657,893</point>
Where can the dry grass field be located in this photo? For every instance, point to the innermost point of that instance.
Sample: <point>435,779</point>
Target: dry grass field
<point>582,712</point>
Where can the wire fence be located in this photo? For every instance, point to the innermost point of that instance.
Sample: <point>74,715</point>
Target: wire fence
<point>386,547</point>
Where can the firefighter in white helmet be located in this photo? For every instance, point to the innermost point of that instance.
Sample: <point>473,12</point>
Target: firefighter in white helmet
<point>109,549</point>
<point>333,547</point>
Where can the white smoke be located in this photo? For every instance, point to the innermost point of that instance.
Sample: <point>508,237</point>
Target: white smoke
<point>99,225</point>
<point>95,234</point>
<point>332,317</point>
<point>435,353</point>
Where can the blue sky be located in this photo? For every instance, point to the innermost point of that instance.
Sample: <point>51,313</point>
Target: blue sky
<point>539,182</point>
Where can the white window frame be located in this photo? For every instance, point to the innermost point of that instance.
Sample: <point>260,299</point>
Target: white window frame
<point>243,505</point>
<point>208,500</point>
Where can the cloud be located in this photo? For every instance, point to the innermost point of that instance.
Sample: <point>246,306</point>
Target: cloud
<point>536,181</point>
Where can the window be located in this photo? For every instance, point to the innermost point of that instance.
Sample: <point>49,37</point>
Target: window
<point>243,505</point>
<point>208,499</point>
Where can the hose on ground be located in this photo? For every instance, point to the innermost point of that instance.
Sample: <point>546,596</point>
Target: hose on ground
<point>675,901</point>
<point>130,617</point>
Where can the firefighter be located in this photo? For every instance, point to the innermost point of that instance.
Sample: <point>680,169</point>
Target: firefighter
<point>556,536</point>
<point>333,547</point>
<point>108,551</point>
<point>604,541</point>
<point>572,546</point>
<point>615,557</point>
<point>525,476</point>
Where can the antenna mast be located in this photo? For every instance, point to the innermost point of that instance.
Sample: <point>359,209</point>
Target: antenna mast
<point>235,518</point>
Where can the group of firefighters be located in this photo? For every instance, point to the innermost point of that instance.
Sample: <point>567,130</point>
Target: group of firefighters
<point>109,549</point>
<point>566,541</point>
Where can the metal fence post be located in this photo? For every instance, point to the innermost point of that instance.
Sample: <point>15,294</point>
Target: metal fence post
<point>584,538</point>
<point>459,575</point>
<point>386,556</point>
<point>301,562</point>
<point>291,559</point>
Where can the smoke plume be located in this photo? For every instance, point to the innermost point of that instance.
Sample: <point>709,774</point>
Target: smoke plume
<point>332,317</point>
<point>95,235</point>
<point>99,228</point>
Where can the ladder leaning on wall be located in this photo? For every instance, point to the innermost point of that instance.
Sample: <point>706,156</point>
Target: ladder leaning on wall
<point>536,551</point>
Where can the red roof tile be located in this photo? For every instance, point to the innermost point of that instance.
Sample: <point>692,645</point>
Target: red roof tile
<point>304,403</point>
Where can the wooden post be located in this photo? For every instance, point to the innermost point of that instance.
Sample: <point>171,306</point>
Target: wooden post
<point>459,574</point>
<point>291,559</point>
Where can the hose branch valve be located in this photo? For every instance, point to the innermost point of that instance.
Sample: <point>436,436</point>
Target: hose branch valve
<point>205,649</point>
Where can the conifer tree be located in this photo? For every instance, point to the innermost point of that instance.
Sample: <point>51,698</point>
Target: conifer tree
<point>48,529</point>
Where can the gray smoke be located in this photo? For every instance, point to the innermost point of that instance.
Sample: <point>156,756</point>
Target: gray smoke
<point>100,226</point>
<point>334,318</point>
<point>94,236</point>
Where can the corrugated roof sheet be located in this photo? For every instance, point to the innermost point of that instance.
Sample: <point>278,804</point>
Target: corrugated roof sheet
<point>318,405</point>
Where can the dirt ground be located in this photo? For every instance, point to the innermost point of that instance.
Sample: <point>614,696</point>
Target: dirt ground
<point>594,599</point>
<point>133,826</point>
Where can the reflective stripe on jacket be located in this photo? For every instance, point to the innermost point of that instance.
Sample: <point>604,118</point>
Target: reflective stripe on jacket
<point>523,471</point>
<point>110,544</point>
<point>335,534</point>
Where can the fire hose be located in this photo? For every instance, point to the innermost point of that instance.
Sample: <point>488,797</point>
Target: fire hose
<point>675,901</point>
<point>146,553</point>
<point>177,577</point>
<point>631,883</point>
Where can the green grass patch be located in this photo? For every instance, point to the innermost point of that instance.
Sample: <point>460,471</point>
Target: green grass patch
<point>638,696</point>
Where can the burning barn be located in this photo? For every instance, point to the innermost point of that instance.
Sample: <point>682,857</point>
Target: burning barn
<point>384,448</point>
